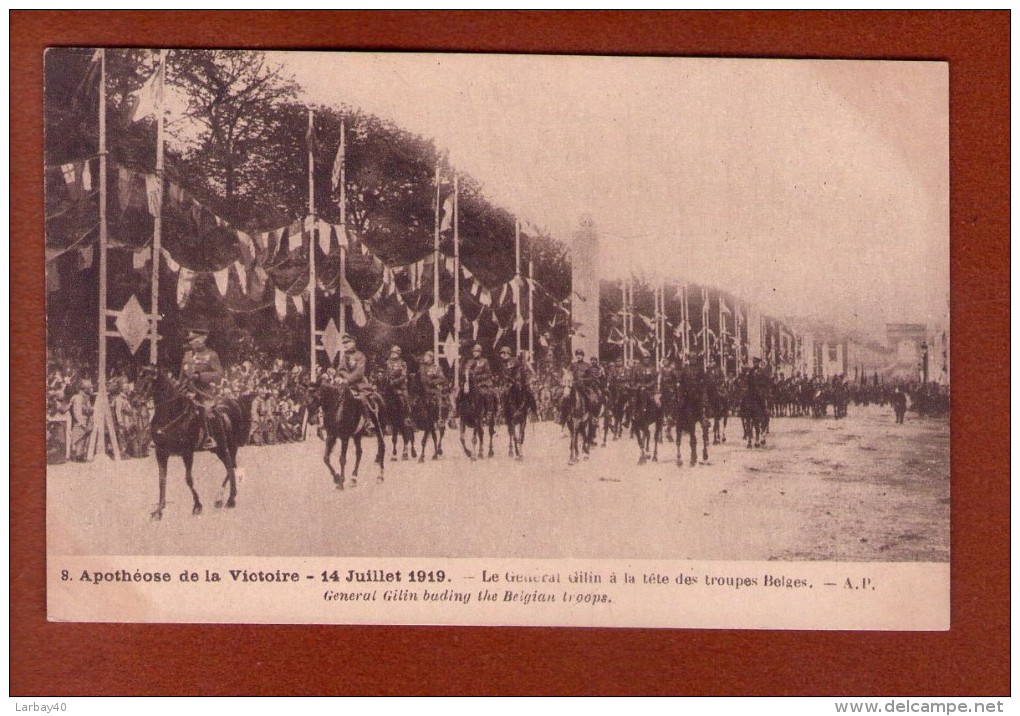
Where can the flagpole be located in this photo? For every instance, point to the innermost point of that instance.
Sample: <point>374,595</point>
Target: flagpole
<point>311,249</point>
<point>531,307</point>
<point>343,225</point>
<point>517,279</point>
<point>102,419</point>
<point>157,230</point>
<point>455,360</point>
<point>435,273</point>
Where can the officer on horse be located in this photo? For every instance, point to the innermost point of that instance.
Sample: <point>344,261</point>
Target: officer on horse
<point>352,372</point>
<point>201,371</point>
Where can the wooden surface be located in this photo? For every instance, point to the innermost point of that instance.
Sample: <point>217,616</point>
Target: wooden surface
<point>972,658</point>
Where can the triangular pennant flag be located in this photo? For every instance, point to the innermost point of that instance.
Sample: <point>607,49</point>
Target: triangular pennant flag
<point>450,349</point>
<point>449,262</point>
<point>86,257</point>
<point>152,194</point>
<point>242,275</point>
<point>86,177</point>
<point>325,236</point>
<point>140,258</point>
<point>222,278</point>
<point>499,334</point>
<point>148,99</point>
<point>358,312</point>
<point>185,282</point>
<point>447,221</point>
<point>170,263</point>
<point>338,162</point>
<point>280,301</point>
<point>177,194</point>
<point>341,235</point>
<point>284,241</point>
<point>503,293</point>
<point>299,303</point>
<point>485,297</point>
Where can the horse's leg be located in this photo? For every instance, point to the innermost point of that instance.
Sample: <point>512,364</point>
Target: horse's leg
<point>338,479</point>
<point>393,437</point>
<point>189,459</point>
<point>223,452</point>
<point>463,443</point>
<point>704,439</point>
<point>162,456</point>
<point>425,441</point>
<point>492,431</point>
<point>357,456</point>
<point>344,444</point>
<point>679,444</point>
<point>694,443</point>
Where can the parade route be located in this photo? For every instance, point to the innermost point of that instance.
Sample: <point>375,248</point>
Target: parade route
<point>859,489</point>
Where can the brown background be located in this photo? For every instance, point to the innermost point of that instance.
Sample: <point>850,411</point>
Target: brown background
<point>972,658</point>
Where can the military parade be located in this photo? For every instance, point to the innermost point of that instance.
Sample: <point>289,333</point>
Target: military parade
<point>332,317</point>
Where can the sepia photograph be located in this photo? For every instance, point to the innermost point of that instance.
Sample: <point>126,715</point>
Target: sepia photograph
<point>409,338</point>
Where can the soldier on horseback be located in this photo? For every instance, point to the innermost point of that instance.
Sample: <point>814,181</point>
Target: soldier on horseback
<point>352,372</point>
<point>514,370</point>
<point>396,374</point>
<point>478,371</point>
<point>584,384</point>
<point>201,371</point>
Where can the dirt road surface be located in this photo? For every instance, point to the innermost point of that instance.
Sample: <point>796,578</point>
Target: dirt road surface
<point>859,489</point>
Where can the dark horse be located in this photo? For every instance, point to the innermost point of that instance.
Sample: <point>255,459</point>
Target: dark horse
<point>396,414</point>
<point>754,410</point>
<point>344,417</point>
<point>426,414</point>
<point>578,421</point>
<point>690,406</point>
<point>516,402</point>
<point>476,409</point>
<point>178,427</point>
<point>646,414</point>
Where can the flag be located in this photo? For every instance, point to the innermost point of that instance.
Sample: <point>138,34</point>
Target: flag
<point>185,282</point>
<point>242,275</point>
<point>447,221</point>
<point>222,278</point>
<point>85,87</point>
<point>280,300</point>
<point>299,303</point>
<point>170,263</point>
<point>338,162</point>
<point>312,140</point>
<point>152,194</point>
<point>723,307</point>
<point>139,259</point>
<point>86,177</point>
<point>148,99</point>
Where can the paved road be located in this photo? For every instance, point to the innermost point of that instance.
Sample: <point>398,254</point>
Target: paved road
<point>862,488</point>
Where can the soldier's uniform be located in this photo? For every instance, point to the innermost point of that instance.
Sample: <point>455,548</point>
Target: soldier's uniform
<point>516,370</point>
<point>435,384</point>
<point>81,421</point>
<point>479,373</point>
<point>352,371</point>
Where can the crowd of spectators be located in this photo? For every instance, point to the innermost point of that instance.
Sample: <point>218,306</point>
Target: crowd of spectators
<point>277,411</point>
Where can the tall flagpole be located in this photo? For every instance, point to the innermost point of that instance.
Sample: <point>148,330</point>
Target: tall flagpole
<point>531,307</point>
<point>157,230</point>
<point>517,279</point>
<point>343,225</point>
<point>435,273</point>
<point>102,419</point>
<point>456,284</point>
<point>311,250</point>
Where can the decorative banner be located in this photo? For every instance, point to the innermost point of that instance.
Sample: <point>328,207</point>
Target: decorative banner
<point>185,282</point>
<point>170,263</point>
<point>152,194</point>
<point>86,257</point>
<point>280,301</point>
<point>222,278</point>
<point>299,303</point>
<point>133,324</point>
<point>242,276</point>
<point>331,340</point>
<point>139,259</point>
<point>86,177</point>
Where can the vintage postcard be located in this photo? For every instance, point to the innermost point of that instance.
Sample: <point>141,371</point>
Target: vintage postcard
<point>384,338</point>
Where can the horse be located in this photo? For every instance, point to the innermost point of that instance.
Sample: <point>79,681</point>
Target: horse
<point>754,413</point>
<point>717,407</point>
<point>516,401</point>
<point>645,412</point>
<point>690,406</point>
<point>396,414</point>
<point>344,417</point>
<point>578,420</point>
<point>476,408</point>
<point>617,396</point>
<point>426,415</point>
<point>178,427</point>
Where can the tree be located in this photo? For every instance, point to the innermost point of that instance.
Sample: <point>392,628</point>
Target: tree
<point>232,98</point>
